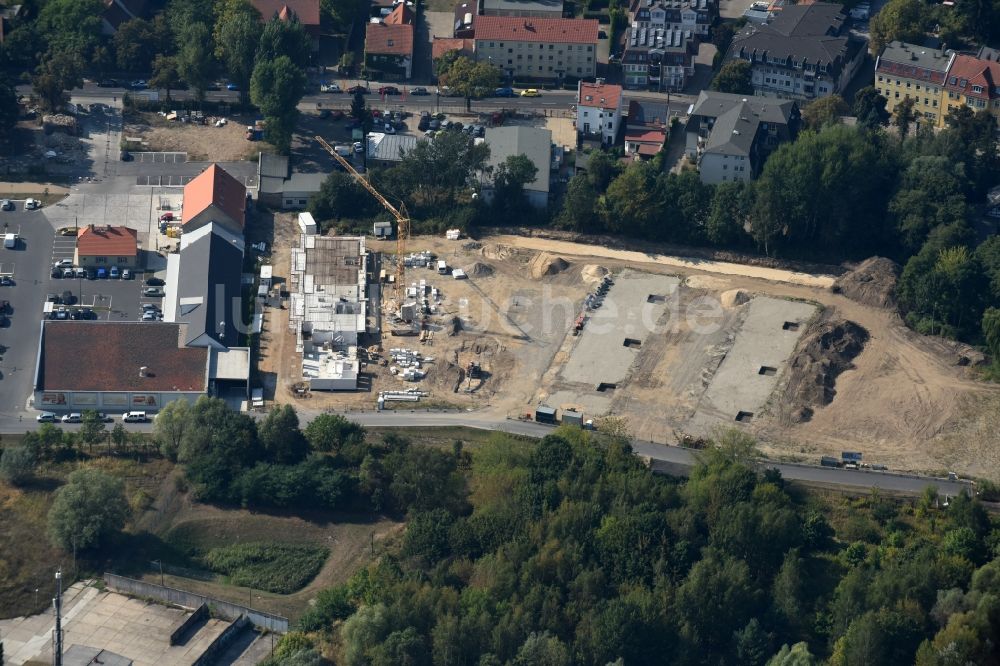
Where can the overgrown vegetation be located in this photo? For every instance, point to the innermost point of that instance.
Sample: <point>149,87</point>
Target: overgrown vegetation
<point>273,567</point>
<point>569,551</point>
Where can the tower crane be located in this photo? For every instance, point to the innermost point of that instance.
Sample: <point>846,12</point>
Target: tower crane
<point>402,219</point>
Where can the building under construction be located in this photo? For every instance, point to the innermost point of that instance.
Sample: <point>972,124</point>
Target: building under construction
<point>328,308</point>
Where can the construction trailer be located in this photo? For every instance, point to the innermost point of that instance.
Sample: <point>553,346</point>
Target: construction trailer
<point>569,417</point>
<point>545,414</point>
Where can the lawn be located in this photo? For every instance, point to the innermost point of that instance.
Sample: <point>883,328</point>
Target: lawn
<point>270,566</point>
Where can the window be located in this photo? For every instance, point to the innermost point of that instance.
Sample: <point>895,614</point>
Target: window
<point>550,68</point>
<point>589,49</point>
<point>579,70</point>
<point>918,86</point>
<point>551,46</point>
<point>897,95</point>
<point>492,44</point>
<point>551,57</point>
<point>102,260</point>
<point>977,89</point>
<point>907,84</point>
<point>934,102</point>
<point>509,61</point>
<point>880,79</point>
<point>510,50</point>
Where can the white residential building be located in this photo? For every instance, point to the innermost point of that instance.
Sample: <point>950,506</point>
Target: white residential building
<point>599,110</point>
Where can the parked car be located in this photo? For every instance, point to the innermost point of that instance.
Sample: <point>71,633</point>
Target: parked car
<point>114,273</point>
<point>354,90</point>
<point>150,306</point>
<point>126,274</point>
<point>232,87</point>
<point>530,92</point>
<point>45,417</point>
<point>151,315</point>
<point>32,204</point>
<point>56,273</point>
<point>330,88</point>
<point>434,124</point>
<point>324,114</point>
<point>80,272</point>
<point>389,129</point>
<point>167,217</point>
<point>62,314</point>
<point>6,281</point>
<point>138,84</point>
<point>102,273</point>
<point>358,147</point>
<point>103,418</point>
<point>87,313</point>
<point>154,282</point>
<point>152,292</point>
<point>68,273</point>
<point>424,124</point>
<point>72,417</point>
<point>419,90</point>
<point>64,263</point>
<point>6,204</point>
<point>107,83</point>
<point>67,231</point>
<point>53,298</point>
<point>134,417</point>
<point>388,90</point>
<point>504,92</point>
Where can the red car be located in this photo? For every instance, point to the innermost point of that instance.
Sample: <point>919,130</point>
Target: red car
<point>388,90</point>
<point>167,217</point>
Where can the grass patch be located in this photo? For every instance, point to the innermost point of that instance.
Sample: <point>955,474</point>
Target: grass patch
<point>273,567</point>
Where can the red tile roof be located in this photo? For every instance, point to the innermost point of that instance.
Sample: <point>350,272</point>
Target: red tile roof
<point>401,15</point>
<point>307,11</point>
<point>514,29</point>
<point>600,95</point>
<point>107,355</point>
<point>971,72</point>
<point>215,186</point>
<point>106,241</point>
<point>651,136</point>
<point>442,45</point>
<point>389,39</point>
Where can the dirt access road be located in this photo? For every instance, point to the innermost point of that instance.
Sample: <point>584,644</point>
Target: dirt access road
<point>905,403</point>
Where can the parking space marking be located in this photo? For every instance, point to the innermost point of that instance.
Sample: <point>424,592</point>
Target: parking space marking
<point>160,157</point>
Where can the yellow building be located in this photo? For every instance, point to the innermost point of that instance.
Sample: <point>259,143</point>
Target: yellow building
<point>908,70</point>
<point>972,82</point>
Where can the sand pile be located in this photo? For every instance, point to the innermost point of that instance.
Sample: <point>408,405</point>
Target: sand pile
<point>497,251</point>
<point>546,264</point>
<point>872,283</point>
<point>734,298</point>
<point>824,352</point>
<point>478,269</point>
<point>593,273</point>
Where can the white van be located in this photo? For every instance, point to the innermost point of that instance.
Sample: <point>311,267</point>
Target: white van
<point>134,417</point>
<point>442,267</point>
<point>10,241</point>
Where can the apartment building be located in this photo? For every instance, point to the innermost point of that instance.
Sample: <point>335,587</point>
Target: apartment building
<point>805,52</point>
<point>523,8</point>
<point>599,110</point>
<point>662,41</point>
<point>911,71</point>
<point>972,82</point>
<point>538,48</point>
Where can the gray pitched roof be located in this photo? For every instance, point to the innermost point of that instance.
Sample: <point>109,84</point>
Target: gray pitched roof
<point>737,119</point>
<point>210,269</point>
<point>801,32</point>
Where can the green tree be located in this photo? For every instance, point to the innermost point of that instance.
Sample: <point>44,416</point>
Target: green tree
<point>579,207</point>
<point>276,88</point>
<point>283,38</point>
<point>71,27</point>
<point>869,108</point>
<point>904,115</point>
<point>341,195</point>
<point>119,436</point>
<point>542,649</point>
<point>331,432</point>
<point>509,180</point>
<point>9,111</point>
<point>752,644</point>
<point>729,214</point>
<point>363,631</point>
<point>138,41</point>
<point>194,58</point>
<point>169,427</point>
<point>87,510</point>
<point>905,20</point>
<point>931,193</point>
<point>991,331</point>
<point>165,74</point>
<point>470,79</point>
<point>280,436</point>
<point>238,36</point>
<point>715,600</point>
<point>17,465</point>
<point>633,203</point>
<point>941,290</point>
<point>824,111</point>
<point>796,655</point>
<point>60,71</point>
<point>734,77</point>
<point>92,430</point>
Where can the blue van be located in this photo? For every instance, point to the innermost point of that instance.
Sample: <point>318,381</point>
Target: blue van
<point>101,274</point>
<point>114,272</point>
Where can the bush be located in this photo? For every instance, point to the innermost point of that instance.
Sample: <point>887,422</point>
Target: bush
<point>331,604</point>
<point>17,464</point>
<point>273,567</point>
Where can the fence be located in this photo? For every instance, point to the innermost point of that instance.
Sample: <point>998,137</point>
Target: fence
<point>172,595</point>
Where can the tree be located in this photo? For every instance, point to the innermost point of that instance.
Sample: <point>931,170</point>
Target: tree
<point>280,436</point>
<point>734,77</point>
<point>542,649</point>
<point>137,42</point>
<point>87,510</point>
<point>331,432</point>
<point>903,115</point>
<point>194,58</point>
<point>904,20</point>
<point>470,78</point>
<point>715,600</point>
<point>824,111</point>
<point>237,40</point>
<point>283,38</point>
<point>71,27</point>
<point>170,426</point>
<point>165,74</point>
<point>579,207</point>
<point>276,88</point>
<point>509,181</point>
<point>361,113</point>
<point>869,108</point>
<point>632,203</point>
<point>752,644</point>
<point>119,436</point>
<point>17,464</point>
<point>341,195</point>
<point>932,192</point>
<point>796,655</point>
<point>941,289</point>
<point>8,110</point>
<point>991,331</point>
<point>59,72</point>
<point>92,430</point>
<point>729,215</point>
<point>361,632</point>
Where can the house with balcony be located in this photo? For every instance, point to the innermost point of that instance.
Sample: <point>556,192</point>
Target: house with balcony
<point>657,58</point>
<point>599,110</point>
<point>805,52</point>
<point>730,136</point>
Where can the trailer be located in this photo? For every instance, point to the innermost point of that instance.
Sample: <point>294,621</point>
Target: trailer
<point>545,414</point>
<point>570,417</point>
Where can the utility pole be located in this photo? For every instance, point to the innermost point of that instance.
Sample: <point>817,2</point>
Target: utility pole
<point>57,637</point>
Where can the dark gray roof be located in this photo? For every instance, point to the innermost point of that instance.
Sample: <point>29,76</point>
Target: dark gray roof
<point>738,117</point>
<point>811,33</point>
<point>523,5</point>
<point>273,165</point>
<point>210,268</point>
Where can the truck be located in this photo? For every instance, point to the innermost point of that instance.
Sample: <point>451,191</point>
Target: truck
<point>829,461</point>
<point>10,241</point>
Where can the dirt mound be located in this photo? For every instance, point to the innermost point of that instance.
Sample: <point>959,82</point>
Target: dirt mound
<point>872,283</point>
<point>498,251</point>
<point>824,352</point>
<point>593,273</point>
<point>546,264</point>
<point>478,269</point>
<point>472,245</point>
<point>734,298</point>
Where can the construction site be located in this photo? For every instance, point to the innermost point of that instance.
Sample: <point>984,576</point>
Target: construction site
<point>552,330</point>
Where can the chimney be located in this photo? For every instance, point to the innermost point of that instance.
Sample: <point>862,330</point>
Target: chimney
<point>142,370</point>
